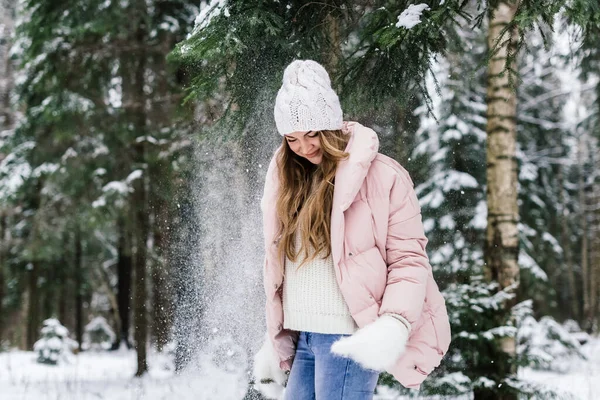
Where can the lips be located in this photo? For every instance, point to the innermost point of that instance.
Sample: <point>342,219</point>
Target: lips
<point>312,154</point>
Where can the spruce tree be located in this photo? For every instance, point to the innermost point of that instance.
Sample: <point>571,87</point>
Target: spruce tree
<point>102,117</point>
<point>542,142</point>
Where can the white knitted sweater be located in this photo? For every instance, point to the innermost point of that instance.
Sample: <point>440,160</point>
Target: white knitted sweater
<point>312,300</point>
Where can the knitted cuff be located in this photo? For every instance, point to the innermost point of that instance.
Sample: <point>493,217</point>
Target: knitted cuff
<point>400,318</point>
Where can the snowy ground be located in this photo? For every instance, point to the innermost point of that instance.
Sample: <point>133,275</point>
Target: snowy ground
<point>110,376</point>
<point>581,382</point>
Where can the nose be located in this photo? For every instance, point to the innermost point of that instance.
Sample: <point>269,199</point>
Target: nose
<point>306,147</point>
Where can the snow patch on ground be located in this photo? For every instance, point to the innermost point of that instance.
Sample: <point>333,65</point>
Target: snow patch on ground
<point>109,375</point>
<point>581,382</point>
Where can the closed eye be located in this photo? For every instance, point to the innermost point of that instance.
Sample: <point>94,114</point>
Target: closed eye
<point>310,134</point>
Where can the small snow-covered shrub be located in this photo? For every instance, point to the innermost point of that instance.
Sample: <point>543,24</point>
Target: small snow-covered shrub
<point>545,344</point>
<point>574,329</point>
<point>98,335</point>
<point>54,344</point>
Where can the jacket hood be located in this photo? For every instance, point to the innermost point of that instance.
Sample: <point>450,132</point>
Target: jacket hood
<point>351,173</point>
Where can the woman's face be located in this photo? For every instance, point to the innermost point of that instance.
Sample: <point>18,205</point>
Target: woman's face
<point>306,144</point>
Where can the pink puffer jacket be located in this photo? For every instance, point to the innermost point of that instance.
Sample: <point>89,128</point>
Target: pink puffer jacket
<point>378,247</point>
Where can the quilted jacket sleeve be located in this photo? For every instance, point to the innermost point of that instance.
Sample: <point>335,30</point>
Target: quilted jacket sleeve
<point>408,264</point>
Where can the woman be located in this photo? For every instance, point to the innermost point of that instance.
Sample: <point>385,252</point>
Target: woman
<point>349,287</point>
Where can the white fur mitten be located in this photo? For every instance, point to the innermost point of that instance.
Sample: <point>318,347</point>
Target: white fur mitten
<point>268,377</point>
<point>376,346</point>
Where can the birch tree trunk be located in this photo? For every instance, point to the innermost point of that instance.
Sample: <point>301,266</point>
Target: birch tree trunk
<point>503,212</point>
<point>501,243</point>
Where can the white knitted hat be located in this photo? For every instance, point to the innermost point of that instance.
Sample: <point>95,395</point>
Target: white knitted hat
<point>306,101</point>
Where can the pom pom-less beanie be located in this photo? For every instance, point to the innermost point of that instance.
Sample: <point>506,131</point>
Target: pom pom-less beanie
<point>306,101</point>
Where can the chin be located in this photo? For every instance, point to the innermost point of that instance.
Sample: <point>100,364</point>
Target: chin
<point>316,160</point>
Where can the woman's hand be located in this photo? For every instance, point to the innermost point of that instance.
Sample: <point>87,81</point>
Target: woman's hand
<point>376,346</point>
<point>269,379</point>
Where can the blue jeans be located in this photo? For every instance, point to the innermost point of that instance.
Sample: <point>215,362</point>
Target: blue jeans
<point>318,374</point>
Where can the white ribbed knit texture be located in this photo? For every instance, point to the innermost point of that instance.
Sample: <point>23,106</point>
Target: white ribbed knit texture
<point>312,300</point>
<point>306,101</point>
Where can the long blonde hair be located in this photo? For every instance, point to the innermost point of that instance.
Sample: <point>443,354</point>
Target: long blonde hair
<point>306,196</point>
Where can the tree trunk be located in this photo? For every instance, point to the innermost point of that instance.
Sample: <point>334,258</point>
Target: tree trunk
<point>78,287</point>
<point>595,246</point>
<point>65,286</point>
<point>566,245</point>
<point>7,117</point>
<point>33,319</point>
<point>160,283</point>
<point>159,195</point>
<point>139,198</point>
<point>33,268</point>
<point>501,243</point>
<point>7,77</point>
<point>332,51</point>
<point>595,256</point>
<point>140,291</point>
<point>3,246</point>
<point>586,323</point>
<point>124,270</point>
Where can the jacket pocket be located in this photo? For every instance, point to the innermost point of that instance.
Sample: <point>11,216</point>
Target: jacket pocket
<point>368,271</point>
<point>420,370</point>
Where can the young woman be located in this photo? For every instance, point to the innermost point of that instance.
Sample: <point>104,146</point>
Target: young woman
<point>349,287</point>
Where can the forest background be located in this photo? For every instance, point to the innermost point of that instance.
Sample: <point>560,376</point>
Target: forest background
<point>136,133</point>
